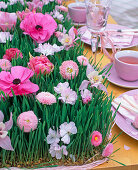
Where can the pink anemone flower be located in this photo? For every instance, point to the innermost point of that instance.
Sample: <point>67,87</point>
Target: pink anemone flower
<point>96,138</point>
<point>18,81</point>
<point>7,20</point>
<point>5,141</point>
<point>38,26</point>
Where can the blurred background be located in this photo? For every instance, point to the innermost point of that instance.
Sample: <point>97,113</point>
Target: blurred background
<point>125,12</point>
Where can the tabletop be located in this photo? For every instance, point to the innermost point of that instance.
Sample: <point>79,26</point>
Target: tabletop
<point>127,157</point>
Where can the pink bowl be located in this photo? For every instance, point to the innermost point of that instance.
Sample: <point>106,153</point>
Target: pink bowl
<point>128,72</point>
<point>77,14</point>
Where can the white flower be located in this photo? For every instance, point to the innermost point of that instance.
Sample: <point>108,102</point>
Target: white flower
<point>86,96</point>
<point>48,49</point>
<point>5,36</point>
<point>57,151</point>
<point>60,87</point>
<point>57,15</point>
<point>45,2</point>
<point>68,96</point>
<point>66,40</point>
<point>94,77</point>
<point>53,137</point>
<point>3,133</point>
<point>12,2</point>
<point>61,28</point>
<point>3,5</point>
<point>66,129</point>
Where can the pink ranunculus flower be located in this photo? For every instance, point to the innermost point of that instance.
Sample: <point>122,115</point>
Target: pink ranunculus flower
<point>7,20</point>
<point>40,64</point>
<point>38,26</point>
<point>86,96</point>
<point>46,98</point>
<point>5,141</point>
<point>82,60</point>
<point>69,69</point>
<point>96,138</point>
<point>35,4</point>
<point>18,81</point>
<point>5,64</point>
<point>108,150</point>
<point>12,53</point>
<point>28,121</point>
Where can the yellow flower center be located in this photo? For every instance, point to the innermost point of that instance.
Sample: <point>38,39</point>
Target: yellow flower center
<point>67,40</point>
<point>27,121</point>
<point>6,23</point>
<point>69,70</point>
<point>96,138</point>
<point>95,78</point>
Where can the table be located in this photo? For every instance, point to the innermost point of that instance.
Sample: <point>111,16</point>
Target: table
<point>127,157</point>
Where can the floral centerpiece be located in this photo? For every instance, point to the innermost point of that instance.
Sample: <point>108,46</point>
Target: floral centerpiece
<point>57,103</point>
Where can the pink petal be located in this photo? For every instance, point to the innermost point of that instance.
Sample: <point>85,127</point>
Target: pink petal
<point>71,33</point>
<point>1,116</point>
<point>102,87</point>
<point>22,73</point>
<point>84,85</point>
<point>89,69</point>
<point>6,143</point>
<point>9,123</point>
<point>126,147</point>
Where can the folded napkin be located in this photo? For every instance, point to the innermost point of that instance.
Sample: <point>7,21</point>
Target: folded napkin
<point>118,39</point>
<point>128,106</point>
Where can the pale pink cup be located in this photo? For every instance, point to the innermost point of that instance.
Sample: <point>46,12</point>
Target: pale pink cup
<point>128,72</point>
<point>77,15</point>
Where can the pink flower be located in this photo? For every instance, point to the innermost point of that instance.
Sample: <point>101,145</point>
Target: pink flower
<point>86,96</point>
<point>108,150</point>
<point>5,64</point>
<point>28,121</point>
<point>35,4</point>
<point>82,60</point>
<point>96,138</point>
<point>5,141</point>
<point>46,98</point>
<point>60,87</point>
<point>40,27</point>
<point>18,81</point>
<point>62,8</point>
<point>68,96</point>
<point>22,14</point>
<point>12,53</point>
<point>40,64</point>
<point>7,20</point>
<point>59,1</point>
<point>135,123</point>
<point>69,69</point>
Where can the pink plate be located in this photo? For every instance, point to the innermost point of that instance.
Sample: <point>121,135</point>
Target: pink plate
<point>133,43</point>
<point>124,124</point>
<point>115,79</point>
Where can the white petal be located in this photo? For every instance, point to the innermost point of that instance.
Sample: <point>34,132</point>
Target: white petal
<point>2,126</point>
<point>66,139</point>
<point>3,134</point>
<point>59,155</point>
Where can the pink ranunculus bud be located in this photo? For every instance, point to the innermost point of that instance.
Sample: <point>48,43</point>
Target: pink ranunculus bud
<point>12,53</point>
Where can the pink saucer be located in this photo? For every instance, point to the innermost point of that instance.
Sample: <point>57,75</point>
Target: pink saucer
<point>115,79</point>
<point>133,43</point>
<point>123,123</point>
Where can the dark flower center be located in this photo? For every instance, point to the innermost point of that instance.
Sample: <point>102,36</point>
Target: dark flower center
<point>38,27</point>
<point>16,81</point>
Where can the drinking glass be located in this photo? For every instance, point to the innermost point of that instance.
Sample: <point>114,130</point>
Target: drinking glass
<point>97,12</point>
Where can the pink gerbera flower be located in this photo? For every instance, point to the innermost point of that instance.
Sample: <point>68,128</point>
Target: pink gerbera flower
<point>108,150</point>
<point>28,121</point>
<point>96,138</point>
<point>40,27</point>
<point>46,98</point>
<point>18,81</point>
<point>69,69</point>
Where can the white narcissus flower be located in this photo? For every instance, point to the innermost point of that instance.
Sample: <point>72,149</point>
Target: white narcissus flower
<point>60,87</point>
<point>94,77</point>
<point>57,151</point>
<point>53,137</point>
<point>48,49</point>
<point>66,40</point>
<point>66,129</point>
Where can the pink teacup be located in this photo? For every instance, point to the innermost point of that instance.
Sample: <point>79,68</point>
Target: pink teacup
<point>77,12</point>
<point>126,65</point>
